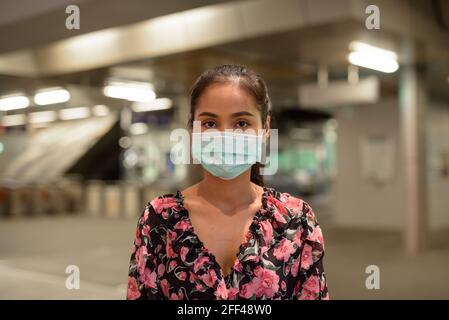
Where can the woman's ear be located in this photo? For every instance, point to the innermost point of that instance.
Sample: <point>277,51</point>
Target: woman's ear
<point>267,127</point>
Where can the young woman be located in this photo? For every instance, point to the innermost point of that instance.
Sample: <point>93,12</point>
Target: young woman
<point>228,236</point>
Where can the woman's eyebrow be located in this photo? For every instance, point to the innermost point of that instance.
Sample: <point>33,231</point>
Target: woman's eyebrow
<point>210,114</point>
<point>234,115</point>
<point>242,113</point>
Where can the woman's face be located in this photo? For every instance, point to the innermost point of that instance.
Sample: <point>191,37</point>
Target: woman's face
<point>227,106</point>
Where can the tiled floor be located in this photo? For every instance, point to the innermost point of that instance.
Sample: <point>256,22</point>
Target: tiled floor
<point>35,252</point>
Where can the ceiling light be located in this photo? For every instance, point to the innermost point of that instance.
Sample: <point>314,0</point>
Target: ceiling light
<point>158,104</point>
<point>100,110</point>
<point>138,128</point>
<point>74,113</point>
<point>13,120</point>
<point>371,57</point>
<point>42,116</point>
<point>51,96</point>
<point>14,102</point>
<point>130,90</point>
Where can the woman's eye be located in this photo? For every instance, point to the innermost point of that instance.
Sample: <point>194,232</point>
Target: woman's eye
<point>242,123</point>
<point>208,124</point>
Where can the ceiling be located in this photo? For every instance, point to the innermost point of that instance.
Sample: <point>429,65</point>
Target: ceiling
<point>285,58</point>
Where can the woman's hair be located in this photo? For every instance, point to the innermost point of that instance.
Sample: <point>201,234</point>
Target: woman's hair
<point>246,79</point>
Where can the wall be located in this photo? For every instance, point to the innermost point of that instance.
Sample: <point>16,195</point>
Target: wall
<point>361,203</point>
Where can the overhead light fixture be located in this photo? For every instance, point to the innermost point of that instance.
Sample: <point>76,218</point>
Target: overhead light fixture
<point>371,57</point>
<point>74,113</point>
<point>157,104</point>
<point>14,102</point>
<point>130,90</point>
<point>13,120</point>
<point>51,96</point>
<point>100,110</point>
<point>138,128</point>
<point>42,116</point>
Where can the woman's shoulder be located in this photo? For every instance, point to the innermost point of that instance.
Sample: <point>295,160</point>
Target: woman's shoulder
<point>285,200</point>
<point>159,208</point>
<point>297,209</point>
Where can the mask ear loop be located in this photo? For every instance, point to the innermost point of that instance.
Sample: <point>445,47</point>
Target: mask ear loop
<point>263,157</point>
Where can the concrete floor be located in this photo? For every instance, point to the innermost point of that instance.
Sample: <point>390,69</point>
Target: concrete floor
<point>34,254</point>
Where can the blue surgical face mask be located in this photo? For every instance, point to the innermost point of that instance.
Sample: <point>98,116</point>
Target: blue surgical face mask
<point>226,154</point>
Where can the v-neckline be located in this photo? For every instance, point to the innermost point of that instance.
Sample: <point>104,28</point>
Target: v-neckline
<point>242,246</point>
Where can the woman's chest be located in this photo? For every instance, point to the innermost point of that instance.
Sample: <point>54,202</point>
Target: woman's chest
<point>221,234</point>
<point>198,265</point>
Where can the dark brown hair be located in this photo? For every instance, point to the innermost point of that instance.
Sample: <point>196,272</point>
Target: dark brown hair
<point>245,78</point>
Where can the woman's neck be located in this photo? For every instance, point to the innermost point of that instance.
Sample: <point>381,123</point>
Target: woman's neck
<point>229,195</point>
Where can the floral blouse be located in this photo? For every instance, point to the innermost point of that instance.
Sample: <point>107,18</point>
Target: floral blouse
<point>280,258</point>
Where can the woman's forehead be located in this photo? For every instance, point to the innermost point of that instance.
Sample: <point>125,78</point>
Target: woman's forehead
<point>226,99</point>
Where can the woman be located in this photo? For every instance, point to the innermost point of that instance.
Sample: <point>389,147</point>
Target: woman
<point>228,236</point>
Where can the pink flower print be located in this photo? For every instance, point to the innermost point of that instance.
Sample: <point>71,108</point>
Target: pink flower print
<point>149,278</point>
<point>232,293</point>
<point>297,239</point>
<point>316,235</point>
<point>199,262</point>
<point>279,217</point>
<point>133,292</point>
<point>141,258</point>
<point>283,285</point>
<point>146,230</point>
<point>312,284</point>
<point>295,267</point>
<point>278,204</point>
<point>248,290</point>
<point>146,214</point>
<point>268,282</point>
<point>182,275</point>
<point>238,265</point>
<point>222,292</point>
<point>184,252</point>
<point>165,287</point>
<point>161,204</point>
<point>293,203</point>
<point>183,225</point>
<point>307,295</point>
<point>209,277</point>
<point>267,231</point>
<point>160,270</point>
<point>306,257</point>
<point>172,264</point>
<point>174,296</point>
<point>169,246</point>
<point>284,250</point>
<point>138,240</point>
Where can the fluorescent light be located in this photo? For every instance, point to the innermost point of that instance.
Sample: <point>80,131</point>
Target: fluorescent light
<point>13,120</point>
<point>368,56</point>
<point>51,96</point>
<point>158,104</point>
<point>40,125</point>
<point>42,116</point>
<point>14,102</point>
<point>129,90</point>
<point>100,110</point>
<point>138,128</point>
<point>74,113</point>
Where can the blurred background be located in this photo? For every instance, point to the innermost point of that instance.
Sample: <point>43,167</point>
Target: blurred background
<point>86,114</point>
